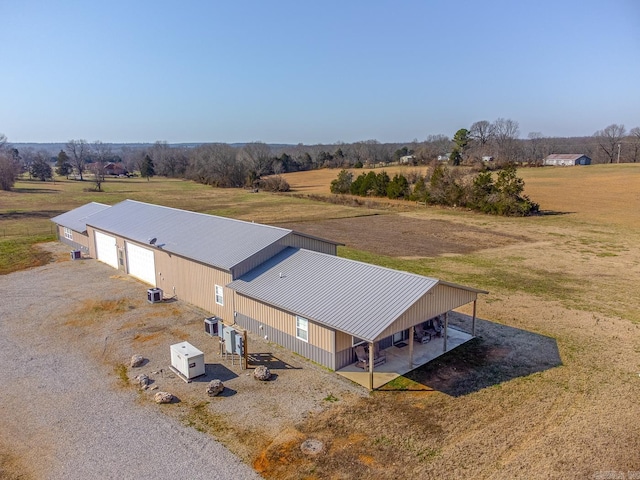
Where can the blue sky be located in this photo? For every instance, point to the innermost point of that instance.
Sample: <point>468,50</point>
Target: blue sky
<point>314,72</point>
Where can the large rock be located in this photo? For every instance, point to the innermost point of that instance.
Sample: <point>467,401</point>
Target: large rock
<point>163,397</point>
<point>137,360</point>
<point>142,380</point>
<point>262,373</point>
<point>215,387</point>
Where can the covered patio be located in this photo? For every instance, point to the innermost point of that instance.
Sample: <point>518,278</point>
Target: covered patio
<point>403,359</point>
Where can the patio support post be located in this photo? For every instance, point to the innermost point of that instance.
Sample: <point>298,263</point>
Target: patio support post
<point>446,325</point>
<point>411,347</point>
<point>371,352</point>
<point>473,319</point>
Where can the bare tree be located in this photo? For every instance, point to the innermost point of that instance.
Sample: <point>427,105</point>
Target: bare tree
<point>535,152</point>
<point>132,158</point>
<point>217,164</point>
<point>77,151</point>
<point>258,157</point>
<point>609,140</point>
<point>506,133</point>
<point>168,161</point>
<point>635,144</point>
<point>100,154</point>
<point>482,132</point>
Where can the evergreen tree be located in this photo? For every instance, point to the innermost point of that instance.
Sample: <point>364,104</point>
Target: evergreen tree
<point>63,165</point>
<point>147,169</point>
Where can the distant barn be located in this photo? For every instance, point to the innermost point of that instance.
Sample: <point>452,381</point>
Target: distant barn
<point>565,159</point>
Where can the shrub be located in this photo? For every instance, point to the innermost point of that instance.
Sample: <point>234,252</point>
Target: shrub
<point>274,183</point>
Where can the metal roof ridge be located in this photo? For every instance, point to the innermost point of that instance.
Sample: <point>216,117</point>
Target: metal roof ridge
<point>205,214</point>
<point>395,270</point>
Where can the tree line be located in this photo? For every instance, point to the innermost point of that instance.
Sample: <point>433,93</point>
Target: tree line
<point>257,165</point>
<point>442,185</point>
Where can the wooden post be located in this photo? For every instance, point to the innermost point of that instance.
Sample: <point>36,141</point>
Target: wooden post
<point>371,352</point>
<point>446,324</point>
<point>473,319</point>
<point>245,352</point>
<point>411,347</point>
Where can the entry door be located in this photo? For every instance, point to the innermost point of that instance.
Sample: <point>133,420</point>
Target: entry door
<point>399,337</point>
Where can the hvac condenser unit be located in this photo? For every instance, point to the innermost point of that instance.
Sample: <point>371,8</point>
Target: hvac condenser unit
<point>154,295</point>
<point>212,326</point>
<point>187,360</point>
<point>76,254</point>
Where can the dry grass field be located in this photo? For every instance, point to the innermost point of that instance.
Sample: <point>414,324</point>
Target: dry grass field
<point>549,388</point>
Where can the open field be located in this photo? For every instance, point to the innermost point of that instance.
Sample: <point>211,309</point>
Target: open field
<point>548,389</point>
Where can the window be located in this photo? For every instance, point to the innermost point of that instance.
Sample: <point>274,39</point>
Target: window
<point>302,328</point>
<point>219,295</point>
<point>68,233</point>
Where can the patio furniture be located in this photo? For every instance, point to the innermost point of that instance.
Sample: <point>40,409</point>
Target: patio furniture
<point>362,353</point>
<point>433,326</point>
<point>420,334</point>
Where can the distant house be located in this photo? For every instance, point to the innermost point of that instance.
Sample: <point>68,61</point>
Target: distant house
<point>567,159</point>
<point>444,158</point>
<point>115,169</point>
<point>407,159</point>
<point>487,158</point>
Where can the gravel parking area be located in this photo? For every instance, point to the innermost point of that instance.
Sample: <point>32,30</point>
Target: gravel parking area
<point>66,413</point>
<point>60,414</point>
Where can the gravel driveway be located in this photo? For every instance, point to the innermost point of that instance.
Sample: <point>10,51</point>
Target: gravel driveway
<point>61,415</point>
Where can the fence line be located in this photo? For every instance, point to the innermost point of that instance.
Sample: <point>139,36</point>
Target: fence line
<point>27,231</point>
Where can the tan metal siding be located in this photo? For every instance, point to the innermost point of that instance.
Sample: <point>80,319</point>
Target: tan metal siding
<point>194,283</point>
<point>80,240</point>
<point>343,341</point>
<point>315,244</point>
<point>440,299</point>
<point>304,349</point>
<point>319,336</point>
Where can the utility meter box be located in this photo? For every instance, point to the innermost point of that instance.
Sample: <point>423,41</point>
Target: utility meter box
<point>187,360</point>
<point>229,336</point>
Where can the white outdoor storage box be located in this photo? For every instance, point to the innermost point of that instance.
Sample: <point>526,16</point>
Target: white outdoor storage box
<point>187,360</point>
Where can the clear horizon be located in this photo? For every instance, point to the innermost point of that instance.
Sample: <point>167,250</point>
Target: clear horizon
<point>298,72</point>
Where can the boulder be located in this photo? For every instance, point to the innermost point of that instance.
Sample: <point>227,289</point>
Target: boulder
<point>163,397</point>
<point>137,360</point>
<point>215,387</point>
<point>142,380</point>
<point>262,373</point>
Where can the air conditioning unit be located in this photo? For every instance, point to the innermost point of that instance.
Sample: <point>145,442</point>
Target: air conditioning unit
<point>154,295</point>
<point>211,326</point>
<point>76,255</point>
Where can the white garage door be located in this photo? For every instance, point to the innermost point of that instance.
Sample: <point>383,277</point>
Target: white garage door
<point>141,263</point>
<point>106,249</point>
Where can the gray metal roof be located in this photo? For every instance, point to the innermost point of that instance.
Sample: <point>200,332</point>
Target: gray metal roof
<point>218,241</point>
<point>76,219</point>
<point>357,298</point>
<point>565,156</point>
